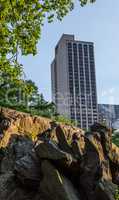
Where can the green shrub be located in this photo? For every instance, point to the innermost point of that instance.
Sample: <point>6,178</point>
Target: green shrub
<point>115,139</point>
<point>64,120</point>
<point>117,194</point>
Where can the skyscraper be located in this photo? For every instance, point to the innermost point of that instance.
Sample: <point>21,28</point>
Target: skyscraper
<point>74,80</point>
<point>110,114</point>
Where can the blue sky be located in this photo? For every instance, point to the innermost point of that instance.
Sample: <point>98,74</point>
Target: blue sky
<point>98,23</point>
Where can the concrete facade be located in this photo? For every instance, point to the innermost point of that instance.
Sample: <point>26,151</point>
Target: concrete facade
<point>74,80</point>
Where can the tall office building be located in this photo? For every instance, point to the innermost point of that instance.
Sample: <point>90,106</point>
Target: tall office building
<point>74,81</point>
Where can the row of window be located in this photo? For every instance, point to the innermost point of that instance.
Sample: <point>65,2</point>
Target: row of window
<point>80,48</point>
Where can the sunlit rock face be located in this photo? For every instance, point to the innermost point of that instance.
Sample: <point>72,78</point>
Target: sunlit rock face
<point>42,161</point>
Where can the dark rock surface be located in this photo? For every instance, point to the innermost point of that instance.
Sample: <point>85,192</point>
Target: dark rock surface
<point>67,165</point>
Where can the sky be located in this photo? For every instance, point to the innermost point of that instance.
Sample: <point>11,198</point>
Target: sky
<point>98,23</point>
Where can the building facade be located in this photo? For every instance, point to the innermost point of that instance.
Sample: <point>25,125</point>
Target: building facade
<point>74,81</point>
<point>110,114</point>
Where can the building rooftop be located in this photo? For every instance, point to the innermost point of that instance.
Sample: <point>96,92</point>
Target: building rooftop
<point>68,37</point>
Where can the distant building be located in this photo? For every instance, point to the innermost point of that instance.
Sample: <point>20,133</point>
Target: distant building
<point>74,80</point>
<point>109,113</point>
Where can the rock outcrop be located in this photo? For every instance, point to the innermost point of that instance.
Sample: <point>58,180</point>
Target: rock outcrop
<point>42,161</point>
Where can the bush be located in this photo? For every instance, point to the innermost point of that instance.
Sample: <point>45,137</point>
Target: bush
<point>115,139</point>
<point>64,120</point>
<point>117,194</point>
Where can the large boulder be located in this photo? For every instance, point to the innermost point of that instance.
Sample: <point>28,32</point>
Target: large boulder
<point>114,163</point>
<point>62,140</point>
<point>65,136</point>
<point>105,190</point>
<point>90,170</point>
<point>7,185</point>
<point>18,147</point>
<point>62,161</point>
<point>94,140</point>
<point>28,172</point>
<point>10,189</point>
<point>56,186</point>
<point>105,136</point>
<point>49,150</point>
<point>76,145</point>
<point>22,124</point>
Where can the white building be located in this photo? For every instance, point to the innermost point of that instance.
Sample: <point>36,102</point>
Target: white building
<point>109,113</point>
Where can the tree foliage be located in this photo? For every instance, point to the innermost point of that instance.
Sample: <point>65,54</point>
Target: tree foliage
<point>21,23</point>
<point>115,139</point>
<point>116,197</point>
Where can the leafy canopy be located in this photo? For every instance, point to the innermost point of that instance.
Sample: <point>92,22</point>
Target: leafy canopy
<point>21,22</point>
